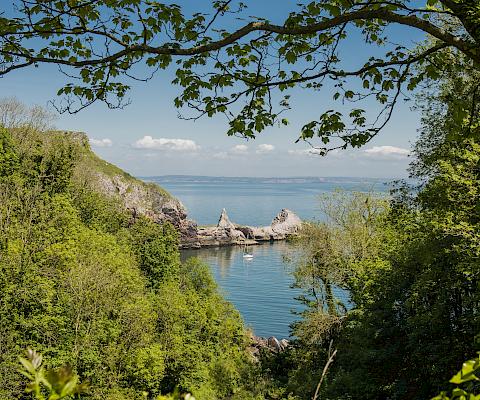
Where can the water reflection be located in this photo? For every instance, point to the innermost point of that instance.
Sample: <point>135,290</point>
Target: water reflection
<point>259,288</point>
<point>222,258</point>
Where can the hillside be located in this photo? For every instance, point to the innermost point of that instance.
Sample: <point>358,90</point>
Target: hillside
<point>88,286</point>
<point>141,198</point>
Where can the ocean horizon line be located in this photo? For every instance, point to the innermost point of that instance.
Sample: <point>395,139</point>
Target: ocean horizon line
<point>312,178</point>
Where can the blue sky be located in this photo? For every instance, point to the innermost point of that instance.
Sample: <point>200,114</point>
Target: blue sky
<point>147,138</point>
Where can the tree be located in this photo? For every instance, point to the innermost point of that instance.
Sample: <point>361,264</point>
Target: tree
<point>241,71</point>
<point>416,316</point>
<point>412,271</point>
<point>87,285</point>
<point>332,259</point>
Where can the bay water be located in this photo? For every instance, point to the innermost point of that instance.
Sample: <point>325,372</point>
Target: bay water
<point>259,288</point>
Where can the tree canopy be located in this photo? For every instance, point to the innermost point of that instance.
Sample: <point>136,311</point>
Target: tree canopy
<point>89,287</point>
<point>243,66</point>
<point>410,265</point>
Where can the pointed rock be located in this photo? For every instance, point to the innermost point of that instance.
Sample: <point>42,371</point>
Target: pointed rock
<point>224,222</point>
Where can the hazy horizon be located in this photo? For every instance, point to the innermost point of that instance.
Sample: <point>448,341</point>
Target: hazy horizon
<point>292,177</point>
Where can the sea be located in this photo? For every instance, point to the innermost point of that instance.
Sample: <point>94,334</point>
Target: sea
<point>260,288</point>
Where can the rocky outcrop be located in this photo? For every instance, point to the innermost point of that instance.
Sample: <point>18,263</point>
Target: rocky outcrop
<point>271,344</point>
<point>152,201</point>
<point>224,222</point>
<point>224,234</point>
<point>148,200</point>
<point>284,224</point>
<point>139,197</point>
<point>228,233</point>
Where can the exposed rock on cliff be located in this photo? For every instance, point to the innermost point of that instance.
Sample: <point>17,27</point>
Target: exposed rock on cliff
<point>138,197</point>
<point>149,200</point>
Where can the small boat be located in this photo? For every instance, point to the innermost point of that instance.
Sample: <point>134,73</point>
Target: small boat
<point>247,254</point>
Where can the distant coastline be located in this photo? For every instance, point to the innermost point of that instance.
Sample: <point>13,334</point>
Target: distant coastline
<point>253,201</point>
<point>279,180</point>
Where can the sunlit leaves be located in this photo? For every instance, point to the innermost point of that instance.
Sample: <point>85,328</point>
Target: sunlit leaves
<point>236,73</point>
<point>58,384</point>
<point>470,370</point>
<point>468,373</point>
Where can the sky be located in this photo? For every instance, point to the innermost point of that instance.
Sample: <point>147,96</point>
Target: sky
<point>148,139</point>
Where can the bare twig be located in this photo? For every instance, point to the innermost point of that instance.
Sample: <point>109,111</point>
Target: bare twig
<point>330,359</point>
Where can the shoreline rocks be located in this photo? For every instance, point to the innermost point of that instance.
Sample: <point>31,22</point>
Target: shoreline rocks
<point>227,233</point>
<point>271,344</point>
<point>150,200</point>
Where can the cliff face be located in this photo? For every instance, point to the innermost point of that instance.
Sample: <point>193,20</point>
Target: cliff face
<point>149,200</point>
<point>138,197</point>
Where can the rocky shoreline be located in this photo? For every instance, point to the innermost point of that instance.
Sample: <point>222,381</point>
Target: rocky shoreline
<point>227,233</point>
<point>270,344</point>
<point>150,200</point>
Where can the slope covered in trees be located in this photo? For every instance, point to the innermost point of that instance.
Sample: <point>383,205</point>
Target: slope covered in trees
<point>411,265</point>
<point>85,284</point>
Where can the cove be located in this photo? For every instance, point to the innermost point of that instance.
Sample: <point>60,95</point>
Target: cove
<point>259,288</point>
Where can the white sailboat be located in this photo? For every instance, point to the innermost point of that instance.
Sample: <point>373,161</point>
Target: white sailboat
<point>246,253</point>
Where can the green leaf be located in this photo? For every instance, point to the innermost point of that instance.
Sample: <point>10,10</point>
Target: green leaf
<point>467,373</point>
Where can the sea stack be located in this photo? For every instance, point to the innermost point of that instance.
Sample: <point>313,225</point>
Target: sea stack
<point>224,222</point>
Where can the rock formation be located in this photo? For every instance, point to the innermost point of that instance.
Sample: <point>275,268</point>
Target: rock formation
<point>149,200</point>
<point>224,222</point>
<point>271,344</point>
<point>139,197</point>
<point>284,224</point>
<point>227,233</point>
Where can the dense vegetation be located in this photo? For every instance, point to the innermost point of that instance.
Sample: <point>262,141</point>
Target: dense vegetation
<point>411,266</point>
<point>87,285</point>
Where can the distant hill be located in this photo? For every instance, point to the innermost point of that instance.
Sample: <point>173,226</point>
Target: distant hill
<point>279,180</point>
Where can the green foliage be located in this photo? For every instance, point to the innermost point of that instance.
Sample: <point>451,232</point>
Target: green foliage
<point>466,380</point>
<point>98,211</point>
<point>91,286</point>
<point>332,260</point>
<point>8,157</point>
<point>240,71</point>
<point>156,248</point>
<point>411,268</point>
<point>203,334</point>
<point>58,384</point>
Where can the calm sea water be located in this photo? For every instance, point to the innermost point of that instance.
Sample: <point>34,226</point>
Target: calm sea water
<point>260,288</point>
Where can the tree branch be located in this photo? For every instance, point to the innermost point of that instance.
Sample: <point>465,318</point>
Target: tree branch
<point>379,14</point>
